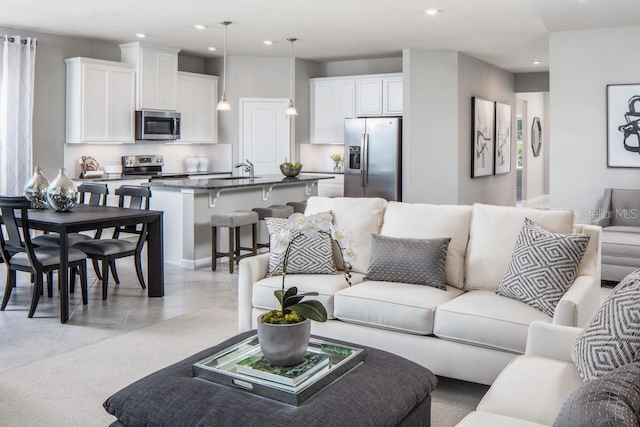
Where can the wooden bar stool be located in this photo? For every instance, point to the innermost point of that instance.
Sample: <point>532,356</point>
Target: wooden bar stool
<point>233,221</point>
<point>273,211</point>
<point>298,207</point>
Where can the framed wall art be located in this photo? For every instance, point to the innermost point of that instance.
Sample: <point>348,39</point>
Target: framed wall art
<point>623,126</point>
<point>503,138</point>
<point>482,137</point>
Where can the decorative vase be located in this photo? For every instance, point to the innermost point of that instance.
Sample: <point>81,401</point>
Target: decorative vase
<point>62,194</point>
<point>35,190</point>
<point>336,166</point>
<point>284,345</point>
<point>192,164</point>
<point>203,163</point>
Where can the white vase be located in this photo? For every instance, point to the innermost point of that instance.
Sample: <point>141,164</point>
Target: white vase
<point>192,164</point>
<point>203,163</point>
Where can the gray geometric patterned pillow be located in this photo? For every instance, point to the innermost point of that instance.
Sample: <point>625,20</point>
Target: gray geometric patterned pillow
<point>610,400</point>
<point>415,261</point>
<point>307,255</point>
<point>612,336</point>
<point>542,267</point>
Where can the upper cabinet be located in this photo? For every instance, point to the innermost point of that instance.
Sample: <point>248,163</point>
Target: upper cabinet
<point>156,77</point>
<point>197,97</point>
<point>100,101</point>
<point>334,99</point>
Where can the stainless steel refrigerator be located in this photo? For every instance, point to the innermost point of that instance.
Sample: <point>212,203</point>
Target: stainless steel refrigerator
<point>373,158</point>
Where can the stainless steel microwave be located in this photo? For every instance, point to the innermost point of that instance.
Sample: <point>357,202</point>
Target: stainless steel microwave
<point>153,125</point>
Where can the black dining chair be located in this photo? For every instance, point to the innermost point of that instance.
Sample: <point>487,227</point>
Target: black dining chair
<point>109,250</point>
<point>20,254</point>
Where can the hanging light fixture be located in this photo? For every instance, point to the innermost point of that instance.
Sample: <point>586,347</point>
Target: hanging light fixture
<point>291,110</point>
<point>224,105</point>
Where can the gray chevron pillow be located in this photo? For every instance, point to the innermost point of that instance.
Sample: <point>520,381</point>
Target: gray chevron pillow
<point>612,337</point>
<point>307,255</point>
<point>405,260</point>
<point>542,267</point>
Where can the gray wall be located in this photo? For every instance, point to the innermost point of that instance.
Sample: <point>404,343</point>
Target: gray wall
<point>430,126</point>
<point>583,64</point>
<point>191,64</point>
<point>305,70</point>
<point>362,66</point>
<point>478,78</point>
<point>532,82</point>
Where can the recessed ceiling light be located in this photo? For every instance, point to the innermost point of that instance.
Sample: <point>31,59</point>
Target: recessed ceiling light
<point>431,11</point>
<point>268,42</point>
<point>141,35</point>
<point>199,27</point>
<point>535,62</point>
<point>212,48</point>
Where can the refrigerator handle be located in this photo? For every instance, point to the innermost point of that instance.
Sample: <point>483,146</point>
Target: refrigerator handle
<point>366,158</point>
<point>363,150</point>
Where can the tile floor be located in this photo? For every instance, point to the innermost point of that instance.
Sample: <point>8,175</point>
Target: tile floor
<point>24,340</point>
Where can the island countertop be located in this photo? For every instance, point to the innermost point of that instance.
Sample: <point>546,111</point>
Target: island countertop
<point>234,182</point>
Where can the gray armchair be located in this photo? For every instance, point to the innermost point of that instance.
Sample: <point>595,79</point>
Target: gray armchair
<point>619,217</point>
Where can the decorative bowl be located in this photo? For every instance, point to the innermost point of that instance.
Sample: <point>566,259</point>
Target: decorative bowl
<point>290,171</point>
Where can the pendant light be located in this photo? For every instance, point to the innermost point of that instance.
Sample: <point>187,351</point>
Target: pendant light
<point>224,105</point>
<point>291,110</point>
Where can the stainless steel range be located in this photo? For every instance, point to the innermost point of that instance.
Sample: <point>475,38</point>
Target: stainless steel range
<point>142,165</point>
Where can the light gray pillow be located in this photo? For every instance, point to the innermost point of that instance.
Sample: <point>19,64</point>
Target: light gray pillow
<point>543,266</point>
<point>405,260</point>
<point>307,256</point>
<point>612,336</point>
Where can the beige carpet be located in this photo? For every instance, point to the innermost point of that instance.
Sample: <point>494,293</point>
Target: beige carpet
<point>69,389</point>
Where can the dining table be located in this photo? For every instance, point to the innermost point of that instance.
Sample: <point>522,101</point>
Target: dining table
<point>85,217</point>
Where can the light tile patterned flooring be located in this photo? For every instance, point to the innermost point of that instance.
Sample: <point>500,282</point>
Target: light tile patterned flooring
<point>24,340</point>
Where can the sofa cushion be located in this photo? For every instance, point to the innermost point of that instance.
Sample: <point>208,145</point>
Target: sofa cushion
<point>625,207</point>
<point>485,319</point>
<point>611,400</point>
<point>422,221</point>
<point>405,260</point>
<point>397,306</point>
<point>324,284</point>
<point>307,254</point>
<point>620,243</point>
<point>612,337</point>
<point>531,388</point>
<point>493,233</point>
<point>359,216</point>
<point>542,267</point>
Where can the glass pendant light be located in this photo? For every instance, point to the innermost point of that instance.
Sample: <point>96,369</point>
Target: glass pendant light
<point>224,105</point>
<point>291,110</point>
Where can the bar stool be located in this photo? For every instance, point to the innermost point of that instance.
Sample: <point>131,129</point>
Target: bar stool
<point>298,207</point>
<point>233,221</point>
<point>273,211</point>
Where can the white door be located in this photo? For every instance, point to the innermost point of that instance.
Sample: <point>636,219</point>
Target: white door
<point>264,134</point>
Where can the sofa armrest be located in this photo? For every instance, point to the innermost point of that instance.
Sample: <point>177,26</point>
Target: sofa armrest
<point>250,270</point>
<point>552,341</point>
<point>604,210</point>
<point>578,304</point>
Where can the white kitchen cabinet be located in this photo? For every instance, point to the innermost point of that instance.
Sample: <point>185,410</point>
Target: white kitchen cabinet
<point>332,101</point>
<point>369,97</point>
<point>100,101</point>
<point>156,74</point>
<point>197,98</point>
<point>392,96</point>
<point>331,187</point>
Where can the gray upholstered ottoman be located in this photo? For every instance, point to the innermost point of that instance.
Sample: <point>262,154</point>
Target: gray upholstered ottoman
<point>386,390</point>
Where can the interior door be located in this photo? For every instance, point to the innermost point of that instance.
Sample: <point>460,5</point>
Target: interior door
<point>264,134</point>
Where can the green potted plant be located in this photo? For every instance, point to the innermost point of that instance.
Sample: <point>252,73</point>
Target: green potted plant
<point>337,158</point>
<point>284,333</point>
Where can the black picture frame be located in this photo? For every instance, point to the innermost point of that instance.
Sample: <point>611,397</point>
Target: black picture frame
<point>482,137</point>
<point>623,125</point>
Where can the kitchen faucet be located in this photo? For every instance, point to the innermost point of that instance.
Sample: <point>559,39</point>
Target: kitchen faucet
<point>248,167</point>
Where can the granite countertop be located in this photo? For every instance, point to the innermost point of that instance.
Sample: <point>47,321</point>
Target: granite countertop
<point>236,182</point>
<point>163,175</point>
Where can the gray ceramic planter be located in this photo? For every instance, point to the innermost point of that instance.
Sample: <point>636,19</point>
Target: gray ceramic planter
<point>284,345</point>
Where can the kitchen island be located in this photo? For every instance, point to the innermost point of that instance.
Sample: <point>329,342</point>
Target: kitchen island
<point>189,203</point>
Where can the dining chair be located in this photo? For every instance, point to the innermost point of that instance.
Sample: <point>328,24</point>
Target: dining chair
<point>20,254</point>
<point>109,250</point>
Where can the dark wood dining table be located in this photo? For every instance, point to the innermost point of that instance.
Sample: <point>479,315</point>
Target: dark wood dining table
<point>86,217</point>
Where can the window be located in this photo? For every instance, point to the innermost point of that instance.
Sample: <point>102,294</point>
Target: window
<point>519,140</point>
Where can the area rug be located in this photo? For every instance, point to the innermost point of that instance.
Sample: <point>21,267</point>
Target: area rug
<point>69,389</point>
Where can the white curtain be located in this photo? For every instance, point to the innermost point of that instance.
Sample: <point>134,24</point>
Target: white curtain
<point>16,113</point>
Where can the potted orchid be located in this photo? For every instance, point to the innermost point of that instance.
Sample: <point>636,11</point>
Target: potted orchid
<point>284,334</point>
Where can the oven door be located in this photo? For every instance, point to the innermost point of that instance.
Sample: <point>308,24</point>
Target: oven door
<point>157,125</point>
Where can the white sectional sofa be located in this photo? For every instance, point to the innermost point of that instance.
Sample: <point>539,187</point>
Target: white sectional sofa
<point>467,332</point>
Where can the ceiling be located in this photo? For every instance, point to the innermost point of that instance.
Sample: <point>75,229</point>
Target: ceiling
<point>507,33</point>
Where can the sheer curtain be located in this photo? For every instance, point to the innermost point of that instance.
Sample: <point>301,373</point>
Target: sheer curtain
<point>16,113</point>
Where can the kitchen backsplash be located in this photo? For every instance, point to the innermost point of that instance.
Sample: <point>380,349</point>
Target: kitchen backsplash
<point>317,157</point>
<point>175,155</point>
